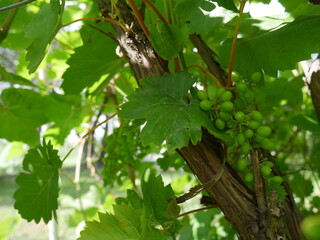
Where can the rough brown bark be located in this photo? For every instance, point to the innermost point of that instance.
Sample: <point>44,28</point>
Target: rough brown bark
<point>313,82</point>
<point>237,201</point>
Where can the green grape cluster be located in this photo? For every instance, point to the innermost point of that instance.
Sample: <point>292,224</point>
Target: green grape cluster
<point>234,113</point>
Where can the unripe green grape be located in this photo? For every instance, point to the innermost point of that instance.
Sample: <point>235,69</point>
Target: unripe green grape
<point>220,124</point>
<point>253,125</point>
<point>242,164</point>
<point>268,163</point>
<point>220,91</point>
<point>267,144</point>
<point>189,97</point>
<point>256,116</point>
<point>248,178</point>
<point>256,77</point>
<point>248,133</point>
<point>202,95</point>
<point>225,116</point>
<point>241,87</point>
<point>245,148</point>
<point>205,105</point>
<point>239,104</point>
<point>227,106</point>
<point>249,96</point>
<point>239,116</point>
<point>260,139</point>
<point>264,131</point>
<point>277,179</point>
<point>241,139</point>
<point>235,76</point>
<point>265,170</point>
<point>212,91</point>
<point>226,96</point>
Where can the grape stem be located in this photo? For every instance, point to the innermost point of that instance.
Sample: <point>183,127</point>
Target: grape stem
<point>216,81</point>
<point>234,42</point>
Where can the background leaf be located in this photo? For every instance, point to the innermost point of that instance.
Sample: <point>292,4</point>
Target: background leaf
<point>89,63</point>
<point>42,29</point>
<point>276,50</point>
<point>37,195</point>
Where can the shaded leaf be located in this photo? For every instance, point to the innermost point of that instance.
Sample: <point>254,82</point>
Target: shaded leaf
<point>276,50</point>
<point>227,4</point>
<point>163,34</point>
<point>163,102</point>
<point>37,195</point>
<point>42,29</point>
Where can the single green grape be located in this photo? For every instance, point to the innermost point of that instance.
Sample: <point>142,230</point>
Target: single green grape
<point>205,105</point>
<point>212,91</point>
<point>245,148</point>
<point>227,106</point>
<point>277,179</point>
<point>264,131</point>
<point>241,139</point>
<point>256,77</point>
<point>265,170</point>
<point>241,87</point>
<point>248,178</point>
<point>239,116</point>
<point>267,144</point>
<point>220,124</point>
<point>248,133</point>
<point>260,139</point>
<point>248,96</point>
<point>253,125</point>
<point>226,96</point>
<point>242,164</point>
<point>268,163</point>
<point>256,116</point>
<point>202,95</point>
<point>225,116</point>
<point>220,91</point>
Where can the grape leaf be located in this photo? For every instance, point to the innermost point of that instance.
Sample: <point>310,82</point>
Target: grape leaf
<point>42,29</point>
<point>276,50</point>
<point>162,100</point>
<point>36,197</point>
<point>227,4</point>
<point>126,223</point>
<point>156,196</point>
<point>89,63</point>
<point>14,79</point>
<point>164,34</point>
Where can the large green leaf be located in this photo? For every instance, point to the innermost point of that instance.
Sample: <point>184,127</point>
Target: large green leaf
<point>126,223</point>
<point>162,100</point>
<point>42,29</point>
<point>36,197</point>
<point>89,62</point>
<point>276,50</point>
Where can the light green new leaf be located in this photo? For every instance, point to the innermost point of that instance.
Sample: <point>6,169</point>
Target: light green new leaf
<point>42,29</point>
<point>162,101</point>
<point>36,197</point>
<point>126,223</point>
<point>88,64</point>
<point>276,50</point>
